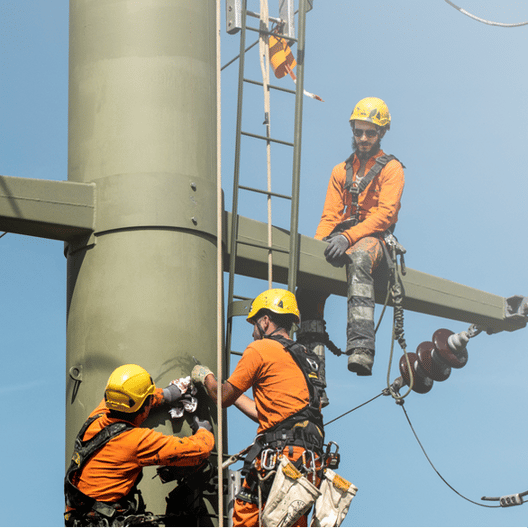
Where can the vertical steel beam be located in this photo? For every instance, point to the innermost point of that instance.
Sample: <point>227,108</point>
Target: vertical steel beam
<point>296,171</point>
<point>142,127</point>
<point>236,175</point>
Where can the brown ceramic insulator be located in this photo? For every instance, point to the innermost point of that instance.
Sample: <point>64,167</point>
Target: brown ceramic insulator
<point>438,371</point>
<point>456,359</point>
<point>420,384</point>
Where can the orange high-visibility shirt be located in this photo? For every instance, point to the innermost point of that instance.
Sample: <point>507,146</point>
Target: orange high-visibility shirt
<point>378,204</point>
<point>279,386</point>
<point>112,472</point>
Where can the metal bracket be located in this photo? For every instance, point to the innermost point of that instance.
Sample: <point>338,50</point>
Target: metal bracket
<point>286,14</point>
<point>516,309</point>
<point>233,16</point>
<point>515,499</point>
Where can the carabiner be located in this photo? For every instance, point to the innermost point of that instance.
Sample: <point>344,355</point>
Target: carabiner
<point>308,458</point>
<point>268,459</point>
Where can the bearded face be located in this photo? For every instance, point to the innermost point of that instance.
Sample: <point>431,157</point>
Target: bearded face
<point>366,140</point>
<point>363,150</point>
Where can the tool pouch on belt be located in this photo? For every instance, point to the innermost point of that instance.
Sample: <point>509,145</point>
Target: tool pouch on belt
<point>334,501</point>
<point>291,496</point>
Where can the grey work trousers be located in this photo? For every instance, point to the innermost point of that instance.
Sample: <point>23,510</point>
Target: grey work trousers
<point>365,255</point>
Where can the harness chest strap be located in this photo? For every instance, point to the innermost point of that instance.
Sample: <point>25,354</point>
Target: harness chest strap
<point>355,188</point>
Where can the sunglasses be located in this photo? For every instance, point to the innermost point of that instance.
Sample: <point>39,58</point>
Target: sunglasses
<point>358,132</point>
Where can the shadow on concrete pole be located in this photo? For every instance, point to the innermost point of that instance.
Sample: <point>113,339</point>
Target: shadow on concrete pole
<point>142,127</point>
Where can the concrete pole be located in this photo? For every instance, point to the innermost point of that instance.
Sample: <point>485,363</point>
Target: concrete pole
<point>142,128</point>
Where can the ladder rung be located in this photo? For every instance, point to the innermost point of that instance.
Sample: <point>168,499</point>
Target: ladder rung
<point>257,15</point>
<point>280,88</point>
<point>262,246</point>
<point>269,193</point>
<point>238,308</point>
<point>267,139</point>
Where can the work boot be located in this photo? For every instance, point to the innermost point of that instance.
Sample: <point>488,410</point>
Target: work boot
<point>361,361</point>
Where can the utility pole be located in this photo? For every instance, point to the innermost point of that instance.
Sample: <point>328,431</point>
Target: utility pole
<point>142,132</point>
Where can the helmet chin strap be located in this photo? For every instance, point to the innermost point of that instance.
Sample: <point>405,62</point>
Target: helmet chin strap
<point>261,332</point>
<point>274,331</point>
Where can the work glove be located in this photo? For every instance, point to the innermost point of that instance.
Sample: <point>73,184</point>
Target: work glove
<point>199,373</point>
<point>335,251</point>
<point>171,394</point>
<point>200,424</point>
<point>176,389</point>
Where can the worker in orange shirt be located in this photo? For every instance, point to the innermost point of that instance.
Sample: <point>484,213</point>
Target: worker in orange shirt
<point>111,449</point>
<point>361,208</point>
<point>286,404</point>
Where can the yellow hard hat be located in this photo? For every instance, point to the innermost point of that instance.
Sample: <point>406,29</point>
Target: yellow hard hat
<point>372,110</point>
<point>281,302</point>
<point>128,387</point>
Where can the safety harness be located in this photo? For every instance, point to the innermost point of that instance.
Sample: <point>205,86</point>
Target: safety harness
<point>303,428</point>
<point>355,188</point>
<point>83,450</point>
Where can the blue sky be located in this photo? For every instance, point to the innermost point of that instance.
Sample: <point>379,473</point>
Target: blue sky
<point>456,89</point>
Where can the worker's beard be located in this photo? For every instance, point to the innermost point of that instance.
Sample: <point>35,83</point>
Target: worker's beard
<point>366,154</point>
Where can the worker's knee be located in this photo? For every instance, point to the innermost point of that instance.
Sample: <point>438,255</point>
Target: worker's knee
<point>362,260</point>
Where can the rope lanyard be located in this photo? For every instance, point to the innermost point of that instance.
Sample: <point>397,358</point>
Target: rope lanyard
<point>265,68</point>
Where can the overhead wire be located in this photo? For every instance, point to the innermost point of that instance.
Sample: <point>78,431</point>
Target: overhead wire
<point>400,402</point>
<point>436,471</point>
<point>354,409</point>
<point>489,22</point>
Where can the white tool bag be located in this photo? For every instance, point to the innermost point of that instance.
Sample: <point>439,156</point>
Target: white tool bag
<point>291,496</point>
<point>332,505</point>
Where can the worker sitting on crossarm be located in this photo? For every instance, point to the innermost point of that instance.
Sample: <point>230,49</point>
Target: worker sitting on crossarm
<point>361,208</point>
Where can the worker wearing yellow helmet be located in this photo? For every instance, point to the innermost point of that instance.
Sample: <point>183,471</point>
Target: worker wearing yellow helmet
<point>360,210</point>
<point>283,376</point>
<point>112,449</point>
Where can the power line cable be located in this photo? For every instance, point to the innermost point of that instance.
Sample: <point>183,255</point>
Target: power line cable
<point>354,409</point>
<point>489,22</point>
<point>400,402</point>
<point>4,233</point>
<point>432,465</point>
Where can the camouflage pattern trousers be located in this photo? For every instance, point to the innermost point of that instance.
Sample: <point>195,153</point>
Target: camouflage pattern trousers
<point>364,257</point>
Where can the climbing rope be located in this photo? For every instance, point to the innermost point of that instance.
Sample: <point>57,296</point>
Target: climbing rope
<point>265,69</point>
<point>463,11</point>
<point>397,326</point>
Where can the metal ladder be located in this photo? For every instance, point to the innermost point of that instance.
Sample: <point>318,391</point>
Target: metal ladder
<point>237,14</point>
